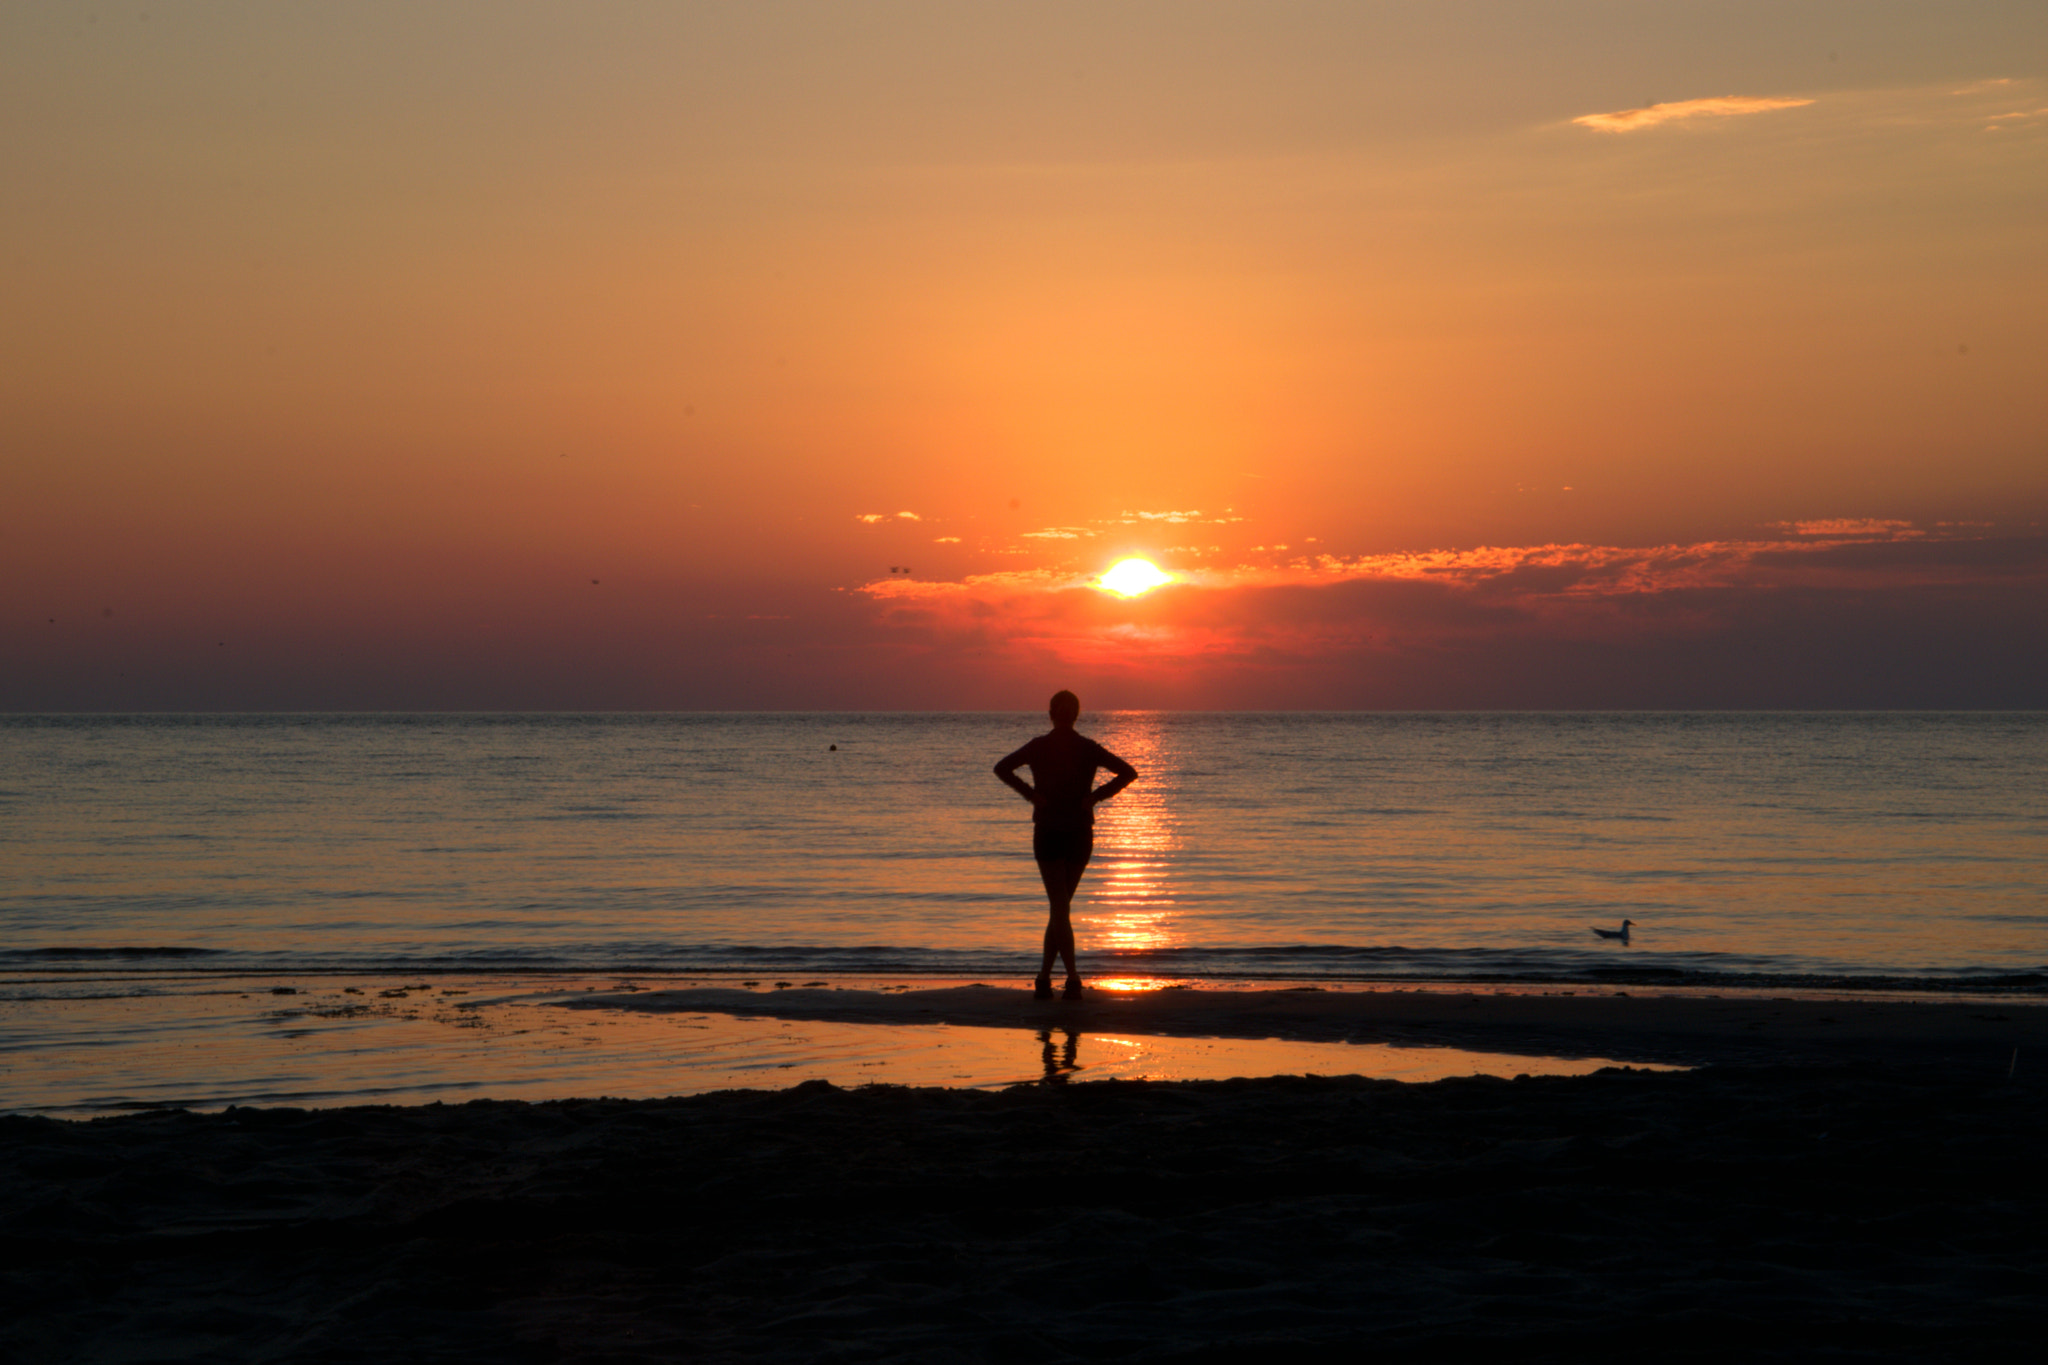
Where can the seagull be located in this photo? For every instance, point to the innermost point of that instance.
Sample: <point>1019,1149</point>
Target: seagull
<point>1621,933</point>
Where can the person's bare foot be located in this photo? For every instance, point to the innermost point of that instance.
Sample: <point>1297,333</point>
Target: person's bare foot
<point>1042,989</point>
<point>1073,990</point>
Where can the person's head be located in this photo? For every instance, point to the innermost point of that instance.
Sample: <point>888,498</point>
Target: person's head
<point>1065,709</point>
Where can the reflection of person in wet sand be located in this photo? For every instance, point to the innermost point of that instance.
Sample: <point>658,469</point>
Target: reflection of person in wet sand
<point>1063,797</point>
<point>1060,1062</point>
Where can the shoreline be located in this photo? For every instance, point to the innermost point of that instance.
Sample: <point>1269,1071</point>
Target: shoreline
<point>46,966</point>
<point>336,1041</point>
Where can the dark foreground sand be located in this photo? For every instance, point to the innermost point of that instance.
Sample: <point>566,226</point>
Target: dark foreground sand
<point>1880,1203</point>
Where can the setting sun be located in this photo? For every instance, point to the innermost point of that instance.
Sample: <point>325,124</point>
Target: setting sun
<point>1130,577</point>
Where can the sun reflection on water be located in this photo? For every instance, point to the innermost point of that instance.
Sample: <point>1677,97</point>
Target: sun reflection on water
<point>1138,983</point>
<point>1129,890</point>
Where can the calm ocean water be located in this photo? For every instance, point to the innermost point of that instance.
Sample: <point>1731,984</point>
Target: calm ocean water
<point>1903,851</point>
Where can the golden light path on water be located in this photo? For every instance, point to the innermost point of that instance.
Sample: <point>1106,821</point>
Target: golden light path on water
<point>1127,897</point>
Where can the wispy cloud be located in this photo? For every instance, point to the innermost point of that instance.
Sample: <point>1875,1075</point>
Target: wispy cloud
<point>1319,607</point>
<point>1575,568</point>
<point>871,518</point>
<point>2004,104</point>
<point>1177,518</point>
<point>1859,527</point>
<point>1719,106</point>
<point>2018,118</point>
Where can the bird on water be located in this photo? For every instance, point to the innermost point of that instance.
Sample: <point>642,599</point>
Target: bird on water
<point>1621,933</point>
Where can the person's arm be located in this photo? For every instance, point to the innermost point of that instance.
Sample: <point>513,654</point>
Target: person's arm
<point>1124,776</point>
<point>1006,769</point>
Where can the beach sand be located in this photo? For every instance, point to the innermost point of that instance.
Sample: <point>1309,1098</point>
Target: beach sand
<point>1840,1179</point>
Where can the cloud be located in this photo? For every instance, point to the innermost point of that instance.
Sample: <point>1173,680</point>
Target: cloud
<point>1720,106</point>
<point>1457,620</point>
<point>1176,518</point>
<point>945,540</point>
<point>1552,570</point>
<point>1886,113</point>
<point>1852,526</point>
<point>2018,118</point>
<point>871,518</point>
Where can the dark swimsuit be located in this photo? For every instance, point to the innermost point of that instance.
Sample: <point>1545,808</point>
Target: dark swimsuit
<point>1050,844</point>
<point>1063,767</point>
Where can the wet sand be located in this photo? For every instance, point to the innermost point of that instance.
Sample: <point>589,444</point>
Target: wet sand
<point>85,1050</point>
<point>1842,1179</point>
<point>1678,1028</point>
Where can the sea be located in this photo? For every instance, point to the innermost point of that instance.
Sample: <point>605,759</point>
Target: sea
<point>154,867</point>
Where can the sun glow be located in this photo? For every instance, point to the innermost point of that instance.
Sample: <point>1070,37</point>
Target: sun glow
<point>1131,577</point>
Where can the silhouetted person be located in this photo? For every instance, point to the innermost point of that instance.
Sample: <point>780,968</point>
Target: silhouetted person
<point>1063,797</point>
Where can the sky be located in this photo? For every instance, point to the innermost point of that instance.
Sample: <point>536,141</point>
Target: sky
<point>1506,354</point>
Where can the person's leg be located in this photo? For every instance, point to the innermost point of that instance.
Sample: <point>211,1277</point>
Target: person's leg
<point>1082,851</point>
<point>1071,881</point>
<point>1059,940</point>
<point>1062,857</point>
<point>1061,877</point>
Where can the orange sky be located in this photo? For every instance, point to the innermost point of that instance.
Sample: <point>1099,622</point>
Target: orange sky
<point>1504,354</point>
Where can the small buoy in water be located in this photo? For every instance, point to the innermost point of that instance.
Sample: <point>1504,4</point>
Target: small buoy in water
<point>833,747</point>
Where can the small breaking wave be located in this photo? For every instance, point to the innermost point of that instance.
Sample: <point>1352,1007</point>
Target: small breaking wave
<point>30,956</point>
<point>1249,964</point>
